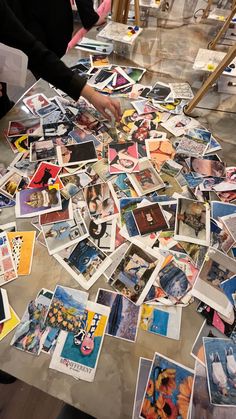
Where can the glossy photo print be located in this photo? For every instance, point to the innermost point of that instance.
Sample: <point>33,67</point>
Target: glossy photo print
<point>8,270</point>
<point>169,388</point>
<point>124,315</point>
<point>164,321</point>
<point>123,158</point>
<point>146,180</point>
<point>31,202</point>
<point>142,377</point>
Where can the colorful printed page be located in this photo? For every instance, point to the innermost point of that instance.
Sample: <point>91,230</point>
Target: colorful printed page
<point>22,246</point>
<point>7,268</point>
<point>9,325</point>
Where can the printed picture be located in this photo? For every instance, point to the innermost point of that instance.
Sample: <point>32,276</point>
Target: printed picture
<point>64,233</point>
<point>7,268</point>
<point>146,180</point>
<point>159,151</point>
<point>123,158</point>
<point>22,247</point>
<point>143,374</point>
<point>206,331</point>
<point>78,355</point>
<point>45,175</point>
<point>66,213</point>
<point>103,235</point>
<point>85,262</point>
<point>24,126</point>
<point>220,355</point>
<point>164,321</point>
<point>66,309</point>
<point>207,167</point>
<point>100,201</point>
<point>6,202</point>
<point>31,202</point>
<point>192,221</point>
<point>42,150</point>
<point>135,274</point>
<point>39,104</point>
<point>5,313</point>
<point>9,184</point>
<point>28,334</point>
<point>69,155</point>
<point>149,219</point>
<point>124,315</point>
<point>72,184</point>
<point>9,325</point>
<point>169,388</point>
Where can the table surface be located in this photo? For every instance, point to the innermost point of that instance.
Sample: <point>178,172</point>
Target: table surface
<point>112,392</point>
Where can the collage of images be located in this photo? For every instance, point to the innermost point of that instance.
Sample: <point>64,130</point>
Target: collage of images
<point>148,206</point>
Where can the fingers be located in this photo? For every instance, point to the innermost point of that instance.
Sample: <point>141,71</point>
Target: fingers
<point>114,108</point>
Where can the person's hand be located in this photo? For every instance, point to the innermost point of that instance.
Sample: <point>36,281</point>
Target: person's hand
<point>0,89</point>
<point>104,104</point>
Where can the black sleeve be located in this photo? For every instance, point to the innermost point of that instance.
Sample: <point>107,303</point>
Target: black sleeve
<point>87,13</point>
<point>41,61</point>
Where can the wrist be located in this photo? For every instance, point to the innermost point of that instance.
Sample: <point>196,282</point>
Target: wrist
<point>88,93</point>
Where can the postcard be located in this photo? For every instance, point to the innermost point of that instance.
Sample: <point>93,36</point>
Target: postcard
<point>146,180</point>
<point>39,105</point>
<point>7,268</point>
<point>136,272</point>
<point>173,281</point>
<point>102,235</point>
<point>123,158</point>
<point>63,234</point>
<point>149,219</point>
<point>220,355</point>
<point>78,355</point>
<point>84,261</point>
<point>32,202</point>
<point>216,268</point>
<point>49,340</point>
<point>206,331</point>
<point>42,150</point>
<point>159,151</point>
<point>164,321</point>
<point>144,129</point>
<point>143,107</point>
<point>171,167</point>
<point>142,377</point>
<point>192,222</point>
<point>201,406</point>
<point>194,144</point>
<point>9,184</point>
<point>181,90</point>
<point>169,387</point>
<point>76,153</point>
<point>229,288</point>
<point>22,247</point>
<point>116,257</point>
<point>124,315</point>
<point>227,326</point>
<point>66,213</point>
<point>57,129</point>
<point>66,309</point>
<point>22,165</point>
<point>45,175</point>
<point>7,326</point>
<point>221,209</point>
<point>206,167</point>
<point>160,92</point>
<point>73,183</point>
<point>230,223</point>
<point>6,202</point>
<point>29,332</point>
<point>99,60</point>
<point>101,78</point>
<point>5,313</point>
<point>101,201</point>
<point>24,126</point>
<point>177,125</point>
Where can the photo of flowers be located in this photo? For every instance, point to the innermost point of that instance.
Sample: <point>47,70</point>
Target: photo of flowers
<point>168,390</point>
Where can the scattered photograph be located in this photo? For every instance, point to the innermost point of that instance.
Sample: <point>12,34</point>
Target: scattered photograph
<point>72,184</point>
<point>177,125</point>
<point>45,175</point>
<point>142,377</point>
<point>159,151</point>
<point>164,321</point>
<point>42,150</point>
<point>63,234</point>
<point>66,213</point>
<point>149,219</point>
<point>101,202</point>
<point>5,313</point>
<point>84,261</point>
<point>99,60</point>
<point>220,355</point>
<point>9,325</point>
<point>6,202</point>
<point>9,184</point>
<point>160,92</point>
<point>69,155</point>
<point>227,326</point>
<point>78,355</point>
<point>135,274</point>
<point>32,202</point>
<point>229,288</point>
<point>22,247</point>
<point>192,222</point>
<point>123,158</point>
<point>103,235</point>
<point>66,309</point>
<point>206,331</point>
<point>146,180</point>
<point>207,167</point>
<point>7,268</point>
<point>29,126</point>
<point>143,107</point>
<point>169,388</point>
<point>124,315</point>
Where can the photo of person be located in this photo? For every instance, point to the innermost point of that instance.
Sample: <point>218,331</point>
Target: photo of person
<point>123,158</point>
<point>100,202</point>
<point>207,167</point>
<point>57,129</point>
<point>24,126</point>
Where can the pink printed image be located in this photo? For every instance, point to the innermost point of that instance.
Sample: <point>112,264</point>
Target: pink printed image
<point>4,251</point>
<point>7,264</point>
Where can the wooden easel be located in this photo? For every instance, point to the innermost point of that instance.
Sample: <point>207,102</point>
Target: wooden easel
<point>120,11</point>
<point>231,54</point>
<point>208,8</point>
<point>224,28</point>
